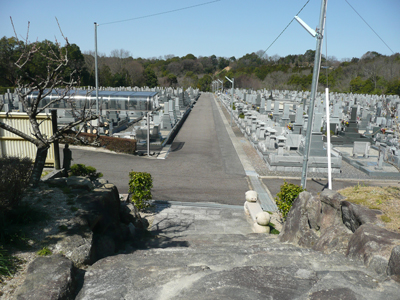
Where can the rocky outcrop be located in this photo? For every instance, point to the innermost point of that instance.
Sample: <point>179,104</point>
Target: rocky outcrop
<point>332,224</point>
<point>49,278</point>
<point>210,253</point>
<point>102,223</point>
<point>100,226</point>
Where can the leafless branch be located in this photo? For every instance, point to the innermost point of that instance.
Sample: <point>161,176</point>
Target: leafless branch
<point>66,40</point>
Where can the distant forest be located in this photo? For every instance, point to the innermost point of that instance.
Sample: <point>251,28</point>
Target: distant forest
<point>373,73</point>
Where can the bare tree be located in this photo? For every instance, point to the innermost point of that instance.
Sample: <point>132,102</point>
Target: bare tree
<point>45,81</point>
<point>120,53</point>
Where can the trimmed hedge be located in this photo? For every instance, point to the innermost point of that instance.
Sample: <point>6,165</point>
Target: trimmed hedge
<point>111,143</point>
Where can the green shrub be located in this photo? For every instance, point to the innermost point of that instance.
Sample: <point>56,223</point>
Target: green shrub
<point>82,170</point>
<point>15,173</point>
<point>241,115</point>
<point>140,185</point>
<point>286,196</point>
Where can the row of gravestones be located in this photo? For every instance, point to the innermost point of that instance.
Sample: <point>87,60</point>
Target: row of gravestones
<point>371,109</point>
<point>267,127</point>
<point>175,102</point>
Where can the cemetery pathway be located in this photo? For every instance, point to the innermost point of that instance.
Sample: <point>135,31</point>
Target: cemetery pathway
<point>202,166</point>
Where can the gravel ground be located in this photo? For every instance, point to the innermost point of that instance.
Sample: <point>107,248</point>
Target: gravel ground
<point>347,170</point>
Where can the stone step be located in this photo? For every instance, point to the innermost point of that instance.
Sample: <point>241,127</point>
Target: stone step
<point>259,271</point>
<point>209,252</point>
<point>209,240</point>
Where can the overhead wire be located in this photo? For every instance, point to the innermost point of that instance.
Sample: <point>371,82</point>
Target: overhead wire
<point>161,13</point>
<point>369,26</point>
<point>285,27</point>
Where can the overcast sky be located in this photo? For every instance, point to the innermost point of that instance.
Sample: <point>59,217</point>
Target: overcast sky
<point>223,28</point>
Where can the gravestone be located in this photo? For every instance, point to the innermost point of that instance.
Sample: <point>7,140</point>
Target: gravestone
<point>361,148</point>
<point>269,106</point>
<point>381,157</point>
<point>262,106</point>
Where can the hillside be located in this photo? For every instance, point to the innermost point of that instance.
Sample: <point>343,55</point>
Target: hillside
<point>373,73</point>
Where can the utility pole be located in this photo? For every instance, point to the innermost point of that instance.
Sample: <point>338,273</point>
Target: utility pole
<point>317,63</point>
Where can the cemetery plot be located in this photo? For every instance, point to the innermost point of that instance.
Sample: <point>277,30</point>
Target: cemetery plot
<point>123,112</point>
<point>364,130</point>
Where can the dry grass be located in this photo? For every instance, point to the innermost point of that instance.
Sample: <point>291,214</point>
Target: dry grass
<point>385,199</point>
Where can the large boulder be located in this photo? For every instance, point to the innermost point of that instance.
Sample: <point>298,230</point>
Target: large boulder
<point>372,243</point>
<point>101,210</point>
<point>80,182</point>
<point>333,239</point>
<point>297,228</point>
<point>49,278</point>
<point>356,215</point>
<point>77,246</point>
<point>331,224</point>
<point>331,214</point>
<point>394,262</point>
<point>96,231</point>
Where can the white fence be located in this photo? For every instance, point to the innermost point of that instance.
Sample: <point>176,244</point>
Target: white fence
<point>13,145</point>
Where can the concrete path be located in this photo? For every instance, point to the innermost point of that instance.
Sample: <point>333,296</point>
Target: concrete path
<point>202,165</point>
<point>266,201</point>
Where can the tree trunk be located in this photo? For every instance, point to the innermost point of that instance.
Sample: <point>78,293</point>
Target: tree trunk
<point>40,160</point>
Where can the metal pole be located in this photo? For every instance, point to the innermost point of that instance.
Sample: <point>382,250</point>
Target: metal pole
<point>317,63</point>
<point>56,145</point>
<point>95,68</point>
<point>328,138</point>
<point>221,84</point>
<point>233,83</point>
<point>148,134</point>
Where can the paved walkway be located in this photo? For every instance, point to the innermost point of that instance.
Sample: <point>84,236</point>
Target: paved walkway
<point>202,165</point>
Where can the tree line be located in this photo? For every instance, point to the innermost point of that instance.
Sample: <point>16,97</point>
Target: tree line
<point>373,73</point>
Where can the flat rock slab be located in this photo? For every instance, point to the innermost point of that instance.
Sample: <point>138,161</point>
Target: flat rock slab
<point>207,252</point>
<point>175,218</point>
<point>186,274</point>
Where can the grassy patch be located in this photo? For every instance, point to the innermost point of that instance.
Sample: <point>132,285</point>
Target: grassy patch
<point>63,228</point>
<point>385,199</point>
<point>44,252</point>
<point>386,219</point>
<point>273,230</point>
<point>73,208</point>
<point>44,173</point>
<point>8,264</point>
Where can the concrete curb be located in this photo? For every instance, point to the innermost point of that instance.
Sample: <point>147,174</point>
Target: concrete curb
<point>164,152</point>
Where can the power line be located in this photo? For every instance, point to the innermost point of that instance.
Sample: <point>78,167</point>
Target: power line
<point>161,13</point>
<point>285,28</point>
<point>369,26</point>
